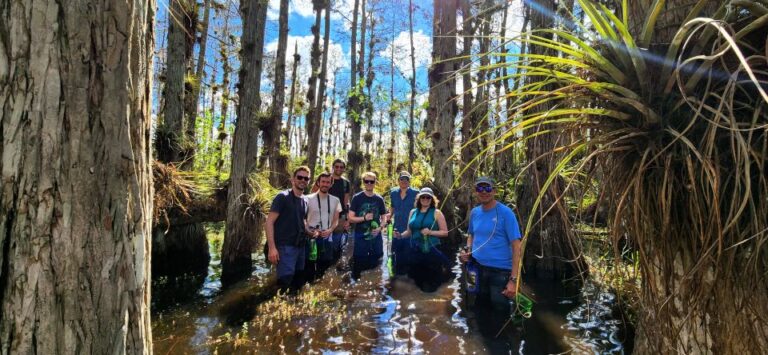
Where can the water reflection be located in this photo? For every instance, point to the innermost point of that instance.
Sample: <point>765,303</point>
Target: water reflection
<point>379,314</point>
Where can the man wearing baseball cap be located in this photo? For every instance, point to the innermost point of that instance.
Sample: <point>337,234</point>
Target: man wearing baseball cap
<point>494,244</point>
<point>401,202</point>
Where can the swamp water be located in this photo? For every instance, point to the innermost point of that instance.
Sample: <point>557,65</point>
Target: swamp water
<point>375,314</point>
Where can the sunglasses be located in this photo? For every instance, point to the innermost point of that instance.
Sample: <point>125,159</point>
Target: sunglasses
<point>483,188</point>
<point>305,178</point>
<point>369,182</point>
<point>426,197</point>
<point>405,178</point>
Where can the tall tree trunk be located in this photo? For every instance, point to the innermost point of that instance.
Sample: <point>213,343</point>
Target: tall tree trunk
<point>688,304</point>
<point>76,201</point>
<point>368,107</point>
<point>354,157</point>
<point>469,151</point>
<point>242,218</point>
<point>225,93</point>
<point>271,131</point>
<point>197,83</point>
<point>411,119</point>
<point>392,108</point>
<point>551,249</point>
<point>314,141</point>
<point>291,104</point>
<point>170,143</point>
<point>442,106</point>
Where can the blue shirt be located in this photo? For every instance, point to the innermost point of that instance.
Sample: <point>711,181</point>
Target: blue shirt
<point>492,234</point>
<point>402,207</point>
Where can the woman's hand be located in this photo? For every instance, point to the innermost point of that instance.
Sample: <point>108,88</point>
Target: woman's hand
<point>426,231</point>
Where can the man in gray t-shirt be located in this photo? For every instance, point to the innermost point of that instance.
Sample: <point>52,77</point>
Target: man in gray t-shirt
<point>322,217</point>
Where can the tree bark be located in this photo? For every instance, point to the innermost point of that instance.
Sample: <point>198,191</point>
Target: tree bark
<point>411,119</point>
<point>170,136</point>
<point>442,109</point>
<point>314,140</point>
<point>291,104</point>
<point>551,250</point>
<point>354,157</point>
<point>242,218</point>
<point>76,201</point>
<point>225,93</point>
<point>271,132</point>
<point>689,304</point>
<point>469,151</point>
<point>197,83</point>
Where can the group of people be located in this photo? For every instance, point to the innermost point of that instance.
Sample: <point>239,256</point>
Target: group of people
<point>306,233</point>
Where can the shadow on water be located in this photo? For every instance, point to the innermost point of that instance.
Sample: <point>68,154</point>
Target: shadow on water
<point>381,314</point>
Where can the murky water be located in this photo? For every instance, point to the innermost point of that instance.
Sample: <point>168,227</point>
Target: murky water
<point>375,314</point>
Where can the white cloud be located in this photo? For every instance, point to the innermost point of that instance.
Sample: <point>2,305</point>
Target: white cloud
<point>515,17</point>
<point>402,51</point>
<point>303,8</point>
<point>336,58</point>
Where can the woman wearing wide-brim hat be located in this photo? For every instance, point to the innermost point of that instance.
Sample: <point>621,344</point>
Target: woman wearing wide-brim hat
<point>426,225</point>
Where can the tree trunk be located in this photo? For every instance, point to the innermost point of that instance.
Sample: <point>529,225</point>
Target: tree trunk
<point>291,104</point>
<point>354,157</point>
<point>690,304</point>
<point>170,141</point>
<point>76,201</point>
<point>242,218</point>
<point>224,114</point>
<point>368,107</point>
<point>197,83</point>
<point>411,119</point>
<point>469,151</point>
<point>442,106</point>
<point>551,250</point>
<point>314,140</point>
<point>271,132</point>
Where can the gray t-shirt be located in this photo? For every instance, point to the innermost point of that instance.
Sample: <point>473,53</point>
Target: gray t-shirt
<point>320,210</point>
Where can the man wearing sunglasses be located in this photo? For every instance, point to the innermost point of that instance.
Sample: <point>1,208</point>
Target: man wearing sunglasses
<point>286,236</point>
<point>494,244</point>
<point>402,200</point>
<point>368,211</point>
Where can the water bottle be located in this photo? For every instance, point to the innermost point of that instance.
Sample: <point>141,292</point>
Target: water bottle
<point>473,277</point>
<point>424,244</point>
<point>312,250</point>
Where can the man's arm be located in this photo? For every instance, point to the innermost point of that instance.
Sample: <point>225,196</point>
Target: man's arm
<point>516,246</point>
<point>274,257</point>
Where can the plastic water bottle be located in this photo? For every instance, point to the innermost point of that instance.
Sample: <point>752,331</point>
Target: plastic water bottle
<point>312,250</point>
<point>473,278</point>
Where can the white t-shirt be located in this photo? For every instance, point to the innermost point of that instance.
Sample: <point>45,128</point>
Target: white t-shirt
<point>320,210</point>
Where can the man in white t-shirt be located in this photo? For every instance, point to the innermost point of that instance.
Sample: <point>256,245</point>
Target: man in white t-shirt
<point>322,217</point>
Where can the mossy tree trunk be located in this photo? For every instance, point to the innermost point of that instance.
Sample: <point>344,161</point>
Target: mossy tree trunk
<point>551,249</point>
<point>242,215</point>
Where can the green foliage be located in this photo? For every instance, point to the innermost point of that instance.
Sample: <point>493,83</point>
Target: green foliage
<point>676,135</point>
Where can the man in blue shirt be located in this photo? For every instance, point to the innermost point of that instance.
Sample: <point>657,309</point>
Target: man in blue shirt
<point>494,243</point>
<point>368,212</point>
<point>402,200</point>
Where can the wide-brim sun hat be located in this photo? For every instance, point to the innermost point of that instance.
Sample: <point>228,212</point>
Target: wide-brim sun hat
<point>425,191</point>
